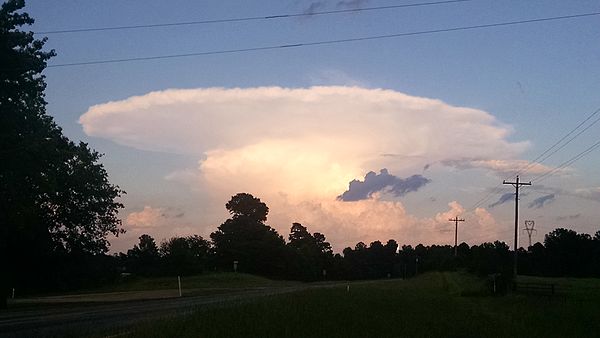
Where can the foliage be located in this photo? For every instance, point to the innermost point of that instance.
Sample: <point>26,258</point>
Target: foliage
<point>245,238</point>
<point>310,255</point>
<point>55,198</point>
<point>244,205</point>
<point>185,255</point>
<point>143,258</point>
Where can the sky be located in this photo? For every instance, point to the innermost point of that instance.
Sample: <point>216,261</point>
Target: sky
<point>360,140</point>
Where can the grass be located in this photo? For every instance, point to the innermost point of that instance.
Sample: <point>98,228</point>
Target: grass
<point>434,304</point>
<point>137,287</point>
<point>224,280</point>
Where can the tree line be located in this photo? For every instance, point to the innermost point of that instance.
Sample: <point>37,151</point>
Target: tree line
<point>57,207</point>
<point>257,248</point>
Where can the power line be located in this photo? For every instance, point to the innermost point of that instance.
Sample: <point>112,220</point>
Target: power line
<point>324,42</point>
<point>252,18</point>
<point>568,162</point>
<point>493,191</point>
<point>526,168</point>
<point>537,159</point>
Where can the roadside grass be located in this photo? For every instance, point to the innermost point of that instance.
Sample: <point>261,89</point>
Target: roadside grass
<point>137,288</point>
<point>434,304</point>
<point>220,280</point>
<point>588,288</point>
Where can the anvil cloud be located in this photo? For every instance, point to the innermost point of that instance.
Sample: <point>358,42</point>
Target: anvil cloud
<point>302,146</point>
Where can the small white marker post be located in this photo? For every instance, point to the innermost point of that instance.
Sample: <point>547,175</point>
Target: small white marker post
<point>13,293</point>
<point>348,288</point>
<point>179,283</point>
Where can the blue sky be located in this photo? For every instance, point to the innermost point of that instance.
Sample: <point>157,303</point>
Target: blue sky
<point>537,81</point>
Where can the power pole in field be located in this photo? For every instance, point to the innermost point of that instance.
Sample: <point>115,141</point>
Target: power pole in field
<point>517,185</point>
<point>529,227</point>
<point>455,220</point>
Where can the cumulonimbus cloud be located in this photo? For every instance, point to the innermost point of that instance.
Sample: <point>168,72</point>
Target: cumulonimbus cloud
<point>383,121</point>
<point>302,143</point>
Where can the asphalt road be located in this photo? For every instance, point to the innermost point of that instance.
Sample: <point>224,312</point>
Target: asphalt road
<point>58,318</point>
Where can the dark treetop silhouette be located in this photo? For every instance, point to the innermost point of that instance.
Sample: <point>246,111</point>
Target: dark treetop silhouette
<point>56,202</point>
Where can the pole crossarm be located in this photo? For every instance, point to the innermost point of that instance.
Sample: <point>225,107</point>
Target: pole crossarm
<point>455,220</point>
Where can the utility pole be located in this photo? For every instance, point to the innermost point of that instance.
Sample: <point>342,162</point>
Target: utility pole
<point>455,220</point>
<point>517,185</point>
<point>529,227</point>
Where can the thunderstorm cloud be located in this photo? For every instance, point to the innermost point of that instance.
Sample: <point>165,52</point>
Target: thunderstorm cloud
<point>297,149</point>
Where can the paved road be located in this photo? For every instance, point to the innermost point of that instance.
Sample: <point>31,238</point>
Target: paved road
<point>58,318</point>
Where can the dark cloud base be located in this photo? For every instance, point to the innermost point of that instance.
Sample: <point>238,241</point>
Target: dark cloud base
<point>385,182</point>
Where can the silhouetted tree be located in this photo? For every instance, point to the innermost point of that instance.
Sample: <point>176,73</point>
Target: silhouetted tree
<point>247,239</point>
<point>184,255</point>
<point>490,258</point>
<point>310,254</point>
<point>144,257</point>
<point>300,238</point>
<point>322,244</point>
<point>568,252</point>
<point>55,198</point>
<point>244,205</point>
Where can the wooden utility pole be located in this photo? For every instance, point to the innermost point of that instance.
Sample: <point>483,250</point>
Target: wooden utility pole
<point>516,184</point>
<point>455,220</point>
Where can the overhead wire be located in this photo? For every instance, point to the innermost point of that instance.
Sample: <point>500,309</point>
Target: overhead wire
<point>325,42</point>
<point>541,158</point>
<point>568,162</point>
<point>545,154</point>
<point>251,18</point>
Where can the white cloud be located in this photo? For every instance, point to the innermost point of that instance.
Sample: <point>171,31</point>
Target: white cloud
<point>297,149</point>
<point>334,77</point>
<point>366,121</point>
<point>147,218</point>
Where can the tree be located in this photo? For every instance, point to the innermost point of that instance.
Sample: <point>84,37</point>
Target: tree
<point>55,198</point>
<point>185,255</point>
<point>247,239</point>
<point>322,244</point>
<point>568,253</point>
<point>143,258</point>
<point>310,254</point>
<point>299,236</point>
<point>244,205</point>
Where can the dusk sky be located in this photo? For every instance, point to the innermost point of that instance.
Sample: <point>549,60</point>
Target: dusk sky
<point>360,140</point>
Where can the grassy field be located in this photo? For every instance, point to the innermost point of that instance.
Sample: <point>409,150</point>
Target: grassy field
<point>434,304</point>
<point>224,280</point>
<point>138,288</point>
